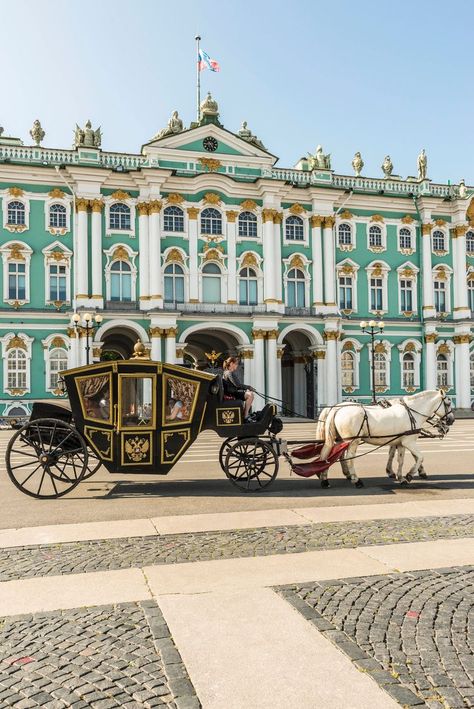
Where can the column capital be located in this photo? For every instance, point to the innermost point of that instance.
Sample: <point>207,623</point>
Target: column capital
<point>258,334</point>
<point>431,337</point>
<point>155,206</point>
<point>458,231</point>
<point>267,215</point>
<point>316,220</point>
<point>180,351</point>
<point>82,204</point>
<point>329,222</point>
<point>143,208</point>
<point>246,354</point>
<point>231,216</point>
<point>461,339</point>
<point>319,354</point>
<point>171,332</point>
<point>272,334</point>
<point>97,205</point>
<point>277,217</point>
<point>155,331</point>
<point>331,335</point>
<point>192,212</point>
<point>426,229</point>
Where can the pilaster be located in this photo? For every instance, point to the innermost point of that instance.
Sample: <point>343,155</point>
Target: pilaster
<point>317,256</point>
<point>427,277</point>
<point>97,298</point>
<point>156,289</point>
<point>144,246</point>
<point>81,296</point>
<point>462,383</point>
<point>269,268</point>
<point>332,362</point>
<point>193,254</point>
<point>329,266</point>
<point>430,358</point>
<point>232,296</point>
<point>461,309</point>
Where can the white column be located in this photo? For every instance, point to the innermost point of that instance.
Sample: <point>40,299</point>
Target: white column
<point>246,355</point>
<point>278,275</point>
<point>170,346</point>
<point>269,270</point>
<point>96,250</point>
<point>144,256</point>
<point>428,304</point>
<point>331,337</point>
<point>321,360</point>
<point>273,366</point>
<point>82,350</point>
<point>193,254</point>
<point>430,360</point>
<point>458,242</point>
<point>231,257</point>
<point>462,371</point>
<point>317,256</point>
<point>299,384</point>
<point>155,335</point>
<point>259,367</point>
<point>280,351</point>
<point>73,356</point>
<point>81,257</point>
<point>156,290</point>
<point>329,265</point>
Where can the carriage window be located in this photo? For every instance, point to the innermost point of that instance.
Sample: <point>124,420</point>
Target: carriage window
<point>179,399</point>
<point>136,402</point>
<point>95,397</point>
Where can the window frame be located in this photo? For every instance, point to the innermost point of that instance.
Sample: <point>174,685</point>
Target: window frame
<point>27,350</point>
<point>443,232</point>
<point>15,228</point>
<point>381,227</point>
<point>131,204</point>
<point>296,219</point>
<point>217,217</point>
<point>26,251</point>
<point>254,221</point>
<point>248,279</point>
<point>174,276</point>
<point>173,216</point>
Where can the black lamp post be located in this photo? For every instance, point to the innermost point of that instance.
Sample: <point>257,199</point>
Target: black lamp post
<point>89,323</point>
<point>372,329</point>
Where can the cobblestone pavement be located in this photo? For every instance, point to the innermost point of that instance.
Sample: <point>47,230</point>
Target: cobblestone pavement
<point>103,555</point>
<point>100,657</point>
<point>412,632</point>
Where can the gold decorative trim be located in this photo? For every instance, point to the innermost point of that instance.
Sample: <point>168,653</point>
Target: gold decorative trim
<point>267,215</point>
<point>346,215</point>
<point>296,262</point>
<point>329,222</point>
<point>278,217</point>
<point>175,198</point>
<point>231,216</point>
<point>16,252</point>
<point>316,221</point>
<point>193,212</point>
<point>143,209</point>
<point>16,228</point>
<point>461,339</point>
<point>145,375</point>
<point>154,206</point>
<point>97,206</point>
<point>258,334</point>
<point>82,205</point>
<point>174,255</point>
<point>16,392</point>
<point>227,416</point>
<point>120,254</point>
<point>272,334</point>
<point>377,218</point>
<point>248,205</point>
<point>407,219</point>
<point>179,375</point>
<point>426,229</point>
<point>185,432</point>
<point>211,164</point>
<point>120,195</point>
<point>296,209</point>
<point>57,342</point>
<point>106,454</point>
<point>250,259</point>
<point>16,192</point>
<point>211,198</point>
<point>331,334</point>
<point>431,337</point>
<point>142,447</point>
<point>56,193</point>
<point>17,342</point>
<point>440,222</point>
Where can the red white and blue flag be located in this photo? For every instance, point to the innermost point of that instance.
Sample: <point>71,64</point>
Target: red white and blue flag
<point>205,62</point>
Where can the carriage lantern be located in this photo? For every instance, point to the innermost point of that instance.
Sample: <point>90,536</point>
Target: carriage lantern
<point>372,329</point>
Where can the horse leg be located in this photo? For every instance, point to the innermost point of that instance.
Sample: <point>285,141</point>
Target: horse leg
<point>323,478</point>
<point>345,467</point>
<point>422,472</point>
<point>389,466</point>
<point>350,454</point>
<point>410,445</point>
<point>400,459</point>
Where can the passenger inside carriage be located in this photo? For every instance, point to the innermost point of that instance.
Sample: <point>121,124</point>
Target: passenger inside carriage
<point>233,387</point>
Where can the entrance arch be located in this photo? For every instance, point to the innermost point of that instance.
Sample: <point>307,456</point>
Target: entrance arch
<point>200,339</point>
<point>299,374</point>
<point>118,338</point>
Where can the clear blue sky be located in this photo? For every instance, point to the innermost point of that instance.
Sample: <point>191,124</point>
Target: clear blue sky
<point>369,75</point>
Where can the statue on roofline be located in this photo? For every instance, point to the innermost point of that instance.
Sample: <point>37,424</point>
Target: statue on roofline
<point>37,132</point>
<point>387,166</point>
<point>357,164</point>
<point>175,125</point>
<point>422,165</point>
<point>319,161</point>
<point>246,134</point>
<point>87,137</point>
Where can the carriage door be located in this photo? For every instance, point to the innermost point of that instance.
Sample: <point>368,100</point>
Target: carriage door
<point>136,419</point>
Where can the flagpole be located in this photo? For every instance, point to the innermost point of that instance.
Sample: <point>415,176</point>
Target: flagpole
<point>198,81</point>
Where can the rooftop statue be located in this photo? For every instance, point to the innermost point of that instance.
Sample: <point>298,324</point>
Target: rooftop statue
<point>87,137</point>
<point>37,132</point>
<point>246,134</point>
<point>422,165</point>
<point>209,107</point>
<point>175,125</point>
<point>462,189</point>
<point>387,166</point>
<point>1,130</point>
<point>319,161</point>
<point>357,164</point>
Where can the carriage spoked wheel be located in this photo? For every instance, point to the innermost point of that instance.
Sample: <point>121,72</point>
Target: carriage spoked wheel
<point>250,464</point>
<point>93,464</point>
<point>225,447</point>
<point>46,458</point>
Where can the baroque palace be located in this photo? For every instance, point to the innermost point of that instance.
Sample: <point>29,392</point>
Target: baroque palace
<point>199,243</point>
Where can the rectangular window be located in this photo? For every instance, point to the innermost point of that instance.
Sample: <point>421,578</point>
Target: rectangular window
<point>345,293</point>
<point>440,296</point>
<point>57,282</point>
<point>470,295</point>
<point>376,294</point>
<point>406,295</point>
<point>295,294</point>
<point>16,281</point>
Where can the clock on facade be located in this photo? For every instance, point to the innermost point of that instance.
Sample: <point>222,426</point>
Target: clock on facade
<point>210,144</point>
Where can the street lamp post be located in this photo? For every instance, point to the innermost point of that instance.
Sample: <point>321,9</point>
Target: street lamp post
<point>89,323</point>
<point>372,329</point>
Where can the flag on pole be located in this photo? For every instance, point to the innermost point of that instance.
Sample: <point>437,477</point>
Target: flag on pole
<point>205,62</point>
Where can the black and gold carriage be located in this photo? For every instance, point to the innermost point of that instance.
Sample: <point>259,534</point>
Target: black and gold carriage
<point>137,417</point>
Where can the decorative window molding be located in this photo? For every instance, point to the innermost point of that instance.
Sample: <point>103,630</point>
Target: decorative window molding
<point>441,277</point>
<point>297,262</point>
<point>440,241</point>
<point>57,266</point>
<point>16,353</point>
<point>444,364</point>
<point>251,261</point>
<point>377,283</point>
<point>295,228</point>
<point>57,213</point>
<point>406,239</point>
<point>19,253</point>
<point>346,235</point>
<point>117,253</point>
<point>174,220</point>
<point>350,376</point>
<point>211,222</point>
<point>470,290</point>
<point>16,211</point>
<point>407,273</point>
<point>56,356</point>
<point>248,226</point>
<point>383,358</point>
<point>347,269</point>
<point>470,242</point>
<point>377,237</point>
<point>212,269</point>
<point>117,198</point>
<point>410,363</point>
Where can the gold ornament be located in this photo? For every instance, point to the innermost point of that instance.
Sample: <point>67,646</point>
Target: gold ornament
<point>377,270</point>
<point>212,198</point>
<point>248,205</point>
<point>231,216</point>
<point>277,217</point>
<point>346,214</point>
<point>211,164</point>
<point>142,209</point>
<point>155,206</point>
<point>213,254</point>
<point>120,195</point>
<point>17,342</point>
<point>316,220</point>
<point>58,342</point>
<point>443,349</point>
<point>440,222</point>
<point>16,252</point>
<point>267,215</point>
<point>431,337</point>
<point>376,218</point>
<point>250,259</point>
<point>174,255</point>
<point>380,348</point>
<point>213,356</point>
<point>461,339</point>
<point>296,262</point>
<point>137,448</point>
<point>175,198</point>
<point>347,347</point>
<point>329,222</point>
<point>56,194</point>
<point>16,192</point>
<point>258,334</point>
<point>407,219</point>
<point>296,209</point>
<point>193,212</point>
<point>82,204</point>
<point>331,335</point>
<point>120,254</point>
<point>426,229</point>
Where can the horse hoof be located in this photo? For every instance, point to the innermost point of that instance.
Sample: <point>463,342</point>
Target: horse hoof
<point>359,484</point>
<point>422,475</point>
<point>325,484</point>
<point>391,476</point>
<point>409,477</point>
<point>404,483</point>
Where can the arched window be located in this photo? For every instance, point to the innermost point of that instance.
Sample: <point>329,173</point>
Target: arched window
<point>211,283</point>
<point>173,219</point>
<point>470,292</point>
<point>247,224</point>
<point>120,216</point>
<point>17,369</point>
<point>408,370</point>
<point>248,287</point>
<point>296,289</point>
<point>375,236</point>
<point>120,281</point>
<point>404,236</point>
<point>16,281</point>
<point>57,282</point>
<point>57,216</point>
<point>471,367</point>
<point>347,369</point>
<point>211,221</point>
<point>441,371</point>
<point>470,242</point>
<point>294,229</point>
<point>57,364</point>
<point>438,240</point>
<point>344,234</point>
<point>16,213</point>
<point>380,368</point>
<point>174,283</point>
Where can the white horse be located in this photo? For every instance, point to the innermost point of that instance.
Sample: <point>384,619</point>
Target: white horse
<point>398,426</point>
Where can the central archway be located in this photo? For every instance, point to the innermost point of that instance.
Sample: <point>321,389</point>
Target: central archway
<point>299,375</point>
<point>200,340</point>
<point>117,339</point>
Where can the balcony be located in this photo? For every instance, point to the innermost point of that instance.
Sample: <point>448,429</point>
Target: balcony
<point>209,308</point>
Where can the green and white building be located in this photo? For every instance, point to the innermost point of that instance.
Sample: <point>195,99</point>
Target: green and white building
<point>199,243</point>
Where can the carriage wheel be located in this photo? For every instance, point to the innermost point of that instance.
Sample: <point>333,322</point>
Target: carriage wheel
<point>223,451</point>
<point>93,464</point>
<point>251,464</point>
<point>46,458</point>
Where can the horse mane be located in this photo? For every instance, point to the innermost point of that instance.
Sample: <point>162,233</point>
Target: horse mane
<point>420,394</point>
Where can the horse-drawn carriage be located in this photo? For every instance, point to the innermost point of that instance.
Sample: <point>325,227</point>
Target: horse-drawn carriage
<point>139,417</point>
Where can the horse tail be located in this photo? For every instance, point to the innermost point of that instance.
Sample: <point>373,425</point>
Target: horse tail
<point>330,434</point>
<point>321,425</point>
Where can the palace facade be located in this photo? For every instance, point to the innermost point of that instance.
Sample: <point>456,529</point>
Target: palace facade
<point>199,243</point>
